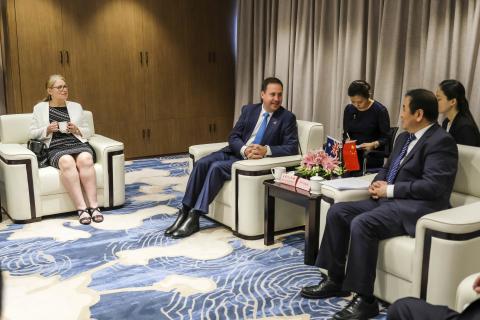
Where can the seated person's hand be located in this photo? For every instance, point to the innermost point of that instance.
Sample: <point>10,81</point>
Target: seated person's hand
<point>258,152</point>
<point>52,127</point>
<point>476,285</point>
<point>248,151</point>
<point>378,189</point>
<point>72,128</point>
<point>368,146</point>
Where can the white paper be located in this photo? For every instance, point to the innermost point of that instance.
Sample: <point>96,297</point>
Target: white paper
<point>347,184</point>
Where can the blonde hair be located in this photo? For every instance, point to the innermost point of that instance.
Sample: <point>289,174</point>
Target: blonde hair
<point>50,82</point>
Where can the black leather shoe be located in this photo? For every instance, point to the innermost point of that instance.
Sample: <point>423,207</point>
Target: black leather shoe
<point>358,309</point>
<point>182,215</point>
<point>189,226</point>
<point>325,289</point>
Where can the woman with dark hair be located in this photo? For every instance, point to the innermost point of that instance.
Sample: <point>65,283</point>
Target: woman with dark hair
<point>458,121</point>
<point>366,121</point>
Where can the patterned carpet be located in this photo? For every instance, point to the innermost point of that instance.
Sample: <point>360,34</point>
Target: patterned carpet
<point>125,268</point>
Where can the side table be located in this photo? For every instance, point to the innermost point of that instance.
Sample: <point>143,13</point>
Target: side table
<point>311,203</point>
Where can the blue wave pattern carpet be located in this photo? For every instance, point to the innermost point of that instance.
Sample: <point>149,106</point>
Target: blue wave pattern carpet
<point>125,268</point>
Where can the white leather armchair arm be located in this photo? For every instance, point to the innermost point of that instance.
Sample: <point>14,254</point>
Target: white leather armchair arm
<point>201,150</point>
<point>465,292</point>
<point>267,163</point>
<point>15,151</point>
<point>22,167</point>
<point>110,155</point>
<point>446,251</point>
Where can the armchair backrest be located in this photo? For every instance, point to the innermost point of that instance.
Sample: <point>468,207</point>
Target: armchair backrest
<point>467,187</point>
<point>310,135</point>
<point>14,128</point>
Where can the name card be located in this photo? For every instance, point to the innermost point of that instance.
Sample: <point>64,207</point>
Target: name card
<point>303,184</point>
<point>288,179</point>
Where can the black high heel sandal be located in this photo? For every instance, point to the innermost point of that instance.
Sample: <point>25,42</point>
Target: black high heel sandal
<point>96,215</point>
<point>84,216</point>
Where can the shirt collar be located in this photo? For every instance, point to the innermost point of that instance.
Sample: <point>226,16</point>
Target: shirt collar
<point>263,111</point>
<point>422,131</point>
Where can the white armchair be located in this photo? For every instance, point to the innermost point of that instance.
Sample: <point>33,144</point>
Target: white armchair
<point>28,193</point>
<point>240,203</point>
<point>445,248</point>
<point>465,292</point>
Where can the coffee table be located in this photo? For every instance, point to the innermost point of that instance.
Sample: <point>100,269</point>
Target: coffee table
<point>311,203</point>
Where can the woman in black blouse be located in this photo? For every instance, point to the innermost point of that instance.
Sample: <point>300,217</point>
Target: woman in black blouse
<point>366,121</point>
<point>458,121</point>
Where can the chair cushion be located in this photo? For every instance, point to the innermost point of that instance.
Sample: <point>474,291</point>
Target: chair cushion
<point>50,180</point>
<point>468,172</point>
<point>458,199</point>
<point>310,135</point>
<point>395,256</point>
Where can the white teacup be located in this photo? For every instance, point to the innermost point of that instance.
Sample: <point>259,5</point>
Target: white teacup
<point>315,184</point>
<point>62,126</point>
<point>277,172</point>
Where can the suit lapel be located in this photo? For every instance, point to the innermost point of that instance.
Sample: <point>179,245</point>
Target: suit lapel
<point>420,142</point>
<point>252,121</point>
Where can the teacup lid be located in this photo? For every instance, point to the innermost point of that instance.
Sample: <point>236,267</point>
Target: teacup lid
<point>317,178</point>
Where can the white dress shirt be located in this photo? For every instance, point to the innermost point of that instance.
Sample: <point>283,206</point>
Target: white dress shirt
<point>418,135</point>
<point>254,133</point>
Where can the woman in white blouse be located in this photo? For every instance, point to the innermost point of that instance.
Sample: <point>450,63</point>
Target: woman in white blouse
<point>61,125</point>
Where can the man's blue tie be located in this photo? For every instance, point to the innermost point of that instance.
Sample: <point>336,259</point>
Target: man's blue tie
<point>395,166</point>
<point>262,129</point>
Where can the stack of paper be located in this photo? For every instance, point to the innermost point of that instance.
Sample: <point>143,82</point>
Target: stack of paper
<point>347,184</point>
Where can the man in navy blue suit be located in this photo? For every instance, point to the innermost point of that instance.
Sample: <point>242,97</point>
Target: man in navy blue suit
<point>263,130</point>
<point>424,159</point>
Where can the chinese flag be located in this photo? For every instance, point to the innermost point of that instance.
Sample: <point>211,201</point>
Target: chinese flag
<point>350,158</point>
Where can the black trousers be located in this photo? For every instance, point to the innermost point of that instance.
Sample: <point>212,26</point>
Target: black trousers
<point>416,309</point>
<point>362,224</point>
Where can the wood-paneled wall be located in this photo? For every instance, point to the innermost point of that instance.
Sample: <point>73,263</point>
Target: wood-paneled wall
<point>157,74</point>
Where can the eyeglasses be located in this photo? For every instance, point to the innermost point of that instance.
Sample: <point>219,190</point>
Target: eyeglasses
<point>60,88</point>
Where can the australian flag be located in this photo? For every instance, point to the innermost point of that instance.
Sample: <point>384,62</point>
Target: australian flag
<point>332,147</point>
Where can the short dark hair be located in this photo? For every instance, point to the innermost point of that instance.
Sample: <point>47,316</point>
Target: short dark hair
<point>425,100</point>
<point>359,88</point>
<point>270,80</point>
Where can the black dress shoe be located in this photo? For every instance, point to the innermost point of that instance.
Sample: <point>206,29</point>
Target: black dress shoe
<point>358,309</point>
<point>325,289</point>
<point>189,226</point>
<point>182,215</point>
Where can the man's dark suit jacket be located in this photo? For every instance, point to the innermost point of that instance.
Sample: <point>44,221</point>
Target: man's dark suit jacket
<point>281,134</point>
<point>463,130</point>
<point>472,312</point>
<point>426,176</point>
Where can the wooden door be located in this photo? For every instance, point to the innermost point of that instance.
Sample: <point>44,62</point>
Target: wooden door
<point>200,59</point>
<point>224,60</point>
<point>212,58</point>
<point>104,41</point>
<point>191,131</point>
<point>222,126</point>
<point>167,71</point>
<point>39,44</point>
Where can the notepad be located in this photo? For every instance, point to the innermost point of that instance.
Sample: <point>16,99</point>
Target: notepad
<point>348,184</point>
